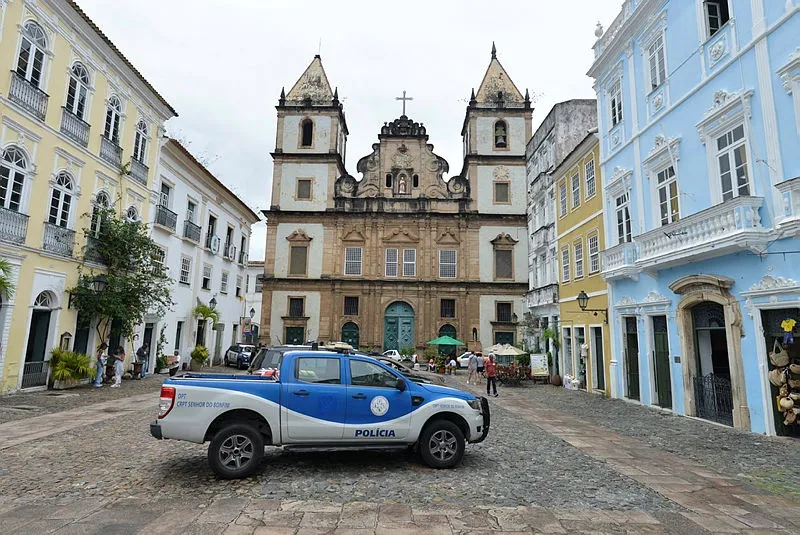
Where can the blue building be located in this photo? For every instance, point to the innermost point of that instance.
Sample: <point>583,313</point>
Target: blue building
<point>699,118</point>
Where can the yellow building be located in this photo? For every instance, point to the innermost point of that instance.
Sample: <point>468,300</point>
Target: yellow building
<point>79,127</point>
<point>585,340</point>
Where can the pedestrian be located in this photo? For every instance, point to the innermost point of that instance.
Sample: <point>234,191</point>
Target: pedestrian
<point>491,375</point>
<point>481,362</point>
<point>472,366</point>
<point>452,365</point>
<point>431,366</point>
<point>174,363</point>
<point>119,366</point>
<point>142,355</point>
<point>101,358</point>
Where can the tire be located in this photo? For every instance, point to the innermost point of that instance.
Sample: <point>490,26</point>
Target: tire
<point>441,444</point>
<point>239,365</point>
<point>236,451</point>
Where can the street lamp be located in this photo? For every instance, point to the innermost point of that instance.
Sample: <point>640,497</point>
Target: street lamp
<point>252,313</point>
<point>583,301</point>
<point>213,303</point>
<point>99,283</point>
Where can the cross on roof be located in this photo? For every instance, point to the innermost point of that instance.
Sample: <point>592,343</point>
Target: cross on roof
<point>404,98</point>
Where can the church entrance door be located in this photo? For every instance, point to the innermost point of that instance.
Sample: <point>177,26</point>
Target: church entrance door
<point>398,326</point>
<point>350,334</point>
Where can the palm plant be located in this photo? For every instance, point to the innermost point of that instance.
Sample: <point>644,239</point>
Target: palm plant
<point>206,312</point>
<point>6,287</point>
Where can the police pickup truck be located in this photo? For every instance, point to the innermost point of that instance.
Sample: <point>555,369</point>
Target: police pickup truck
<point>318,400</point>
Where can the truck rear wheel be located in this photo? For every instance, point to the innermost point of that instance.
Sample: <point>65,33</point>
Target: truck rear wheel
<point>441,444</point>
<point>236,451</point>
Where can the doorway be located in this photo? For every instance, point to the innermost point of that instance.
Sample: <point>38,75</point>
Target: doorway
<point>350,334</point>
<point>34,373</point>
<point>631,351</point>
<point>82,329</point>
<point>712,384</point>
<point>295,336</point>
<point>663,383</point>
<point>771,321</point>
<point>447,330</point>
<point>596,334</point>
<point>200,339</point>
<point>398,326</point>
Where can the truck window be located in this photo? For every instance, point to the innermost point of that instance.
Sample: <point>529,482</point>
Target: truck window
<point>364,373</point>
<point>318,370</point>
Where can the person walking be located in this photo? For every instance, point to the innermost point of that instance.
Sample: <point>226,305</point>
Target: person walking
<point>142,356</point>
<point>472,366</point>
<point>452,365</point>
<point>491,375</point>
<point>174,363</point>
<point>481,363</point>
<point>119,366</point>
<point>101,358</point>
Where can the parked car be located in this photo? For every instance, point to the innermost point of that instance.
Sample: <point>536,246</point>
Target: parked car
<point>393,354</point>
<point>268,359</point>
<point>463,359</point>
<point>418,376</point>
<point>239,355</point>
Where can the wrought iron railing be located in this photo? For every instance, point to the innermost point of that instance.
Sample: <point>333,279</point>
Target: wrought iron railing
<point>229,252</point>
<point>13,226</point>
<point>74,127</point>
<point>58,240</point>
<point>28,95</point>
<point>92,252</point>
<point>191,231</point>
<point>166,217</point>
<point>110,151</point>
<point>139,171</point>
<point>714,398</point>
<point>34,374</point>
<point>243,258</point>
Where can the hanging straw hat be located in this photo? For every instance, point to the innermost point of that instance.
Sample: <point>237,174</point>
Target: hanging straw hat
<point>779,356</point>
<point>794,368</point>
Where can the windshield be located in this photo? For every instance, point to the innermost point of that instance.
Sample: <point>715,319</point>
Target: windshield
<point>266,358</point>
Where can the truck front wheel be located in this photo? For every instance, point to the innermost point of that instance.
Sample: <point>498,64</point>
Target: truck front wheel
<point>236,451</point>
<point>441,444</point>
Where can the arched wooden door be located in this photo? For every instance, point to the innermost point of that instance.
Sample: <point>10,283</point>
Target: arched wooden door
<point>350,334</point>
<point>398,326</point>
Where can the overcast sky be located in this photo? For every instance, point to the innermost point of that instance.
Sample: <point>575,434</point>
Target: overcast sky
<point>222,63</point>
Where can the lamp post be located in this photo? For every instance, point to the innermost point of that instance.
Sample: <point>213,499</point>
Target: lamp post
<point>99,283</point>
<point>583,301</point>
<point>252,313</point>
<point>213,303</point>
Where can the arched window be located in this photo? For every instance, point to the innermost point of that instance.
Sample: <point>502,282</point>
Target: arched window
<point>140,141</point>
<point>307,133</point>
<point>12,177</point>
<point>44,300</point>
<point>388,180</point>
<point>132,214</point>
<point>500,135</point>
<point>113,114</point>
<point>101,205</point>
<point>30,62</point>
<point>78,90</point>
<point>415,181</point>
<point>61,199</point>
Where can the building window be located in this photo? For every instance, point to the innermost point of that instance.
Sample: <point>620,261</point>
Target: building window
<point>388,180</point>
<point>503,264</point>
<point>500,135</point>
<point>562,197</point>
<point>166,193</point>
<point>578,259</point>
<point>113,114</point>
<point>296,307</point>
<point>655,60</point>
<point>206,283</point>
<point>12,178</point>
<point>447,308</point>
<point>565,267</point>
<point>502,193</point>
<point>594,254</point>
<point>391,262</point>
<point>30,63</point>
<point>223,285</point>
<point>186,269</point>
<point>132,214</point>
<point>415,181</point>
<point>159,257</point>
<point>732,160</point>
<point>259,284</point>
<point>623,218</point>
<point>576,190</point>
<point>409,262</point>
<point>615,101</point>
<point>502,312</point>
<point>140,142</point>
<point>78,90</point>
<point>350,306</point>
<point>447,263</point>
<point>352,260</point>
<point>591,182</point>
<point>191,208</point>
<point>717,14</point>
<point>61,200</point>
<point>238,285</point>
<point>303,192</point>
<point>99,211</point>
<point>307,133</point>
<point>668,195</point>
<point>298,259</point>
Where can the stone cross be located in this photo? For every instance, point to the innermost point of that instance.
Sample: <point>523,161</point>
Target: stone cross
<point>404,98</point>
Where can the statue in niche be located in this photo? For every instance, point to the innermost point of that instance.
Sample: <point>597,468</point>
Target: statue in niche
<point>401,184</point>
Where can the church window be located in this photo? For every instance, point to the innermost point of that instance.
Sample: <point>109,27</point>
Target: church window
<point>447,308</point>
<point>502,312</point>
<point>296,307</point>
<point>306,133</point>
<point>391,262</point>
<point>501,193</point>
<point>447,263</point>
<point>303,192</point>
<point>388,180</point>
<point>352,260</point>
<point>415,181</point>
<point>503,265</point>
<point>298,257</point>
<point>500,135</point>
<point>409,262</point>
<point>350,306</point>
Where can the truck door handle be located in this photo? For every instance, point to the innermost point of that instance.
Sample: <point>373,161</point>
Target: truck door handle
<point>359,396</point>
<point>300,392</point>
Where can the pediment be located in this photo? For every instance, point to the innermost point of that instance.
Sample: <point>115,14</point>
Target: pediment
<point>504,239</point>
<point>447,237</point>
<point>299,235</point>
<point>401,236</point>
<point>354,235</point>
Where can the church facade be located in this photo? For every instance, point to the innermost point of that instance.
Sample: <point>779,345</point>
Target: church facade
<point>398,255</point>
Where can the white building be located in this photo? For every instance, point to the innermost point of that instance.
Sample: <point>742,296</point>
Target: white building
<point>204,231</point>
<point>252,300</point>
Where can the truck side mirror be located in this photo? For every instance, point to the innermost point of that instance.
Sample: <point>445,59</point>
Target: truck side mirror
<point>401,385</point>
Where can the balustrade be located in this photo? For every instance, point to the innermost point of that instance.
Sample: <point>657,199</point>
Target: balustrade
<point>28,95</point>
<point>13,226</point>
<point>58,240</point>
<point>74,128</point>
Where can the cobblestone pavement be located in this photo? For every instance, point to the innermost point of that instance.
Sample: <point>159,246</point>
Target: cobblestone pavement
<point>540,470</point>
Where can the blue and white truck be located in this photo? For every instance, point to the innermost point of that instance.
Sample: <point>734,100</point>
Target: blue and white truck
<point>318,400</point>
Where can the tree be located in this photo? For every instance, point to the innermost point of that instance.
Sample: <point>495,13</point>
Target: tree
<point>6,287</point>
<point>205,312</point>
<point>135,281</point>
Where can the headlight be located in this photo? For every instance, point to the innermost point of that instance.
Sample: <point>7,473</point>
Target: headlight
<point>475,404</point>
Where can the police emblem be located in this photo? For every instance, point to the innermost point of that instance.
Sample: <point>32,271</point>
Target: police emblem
<point>379,405</point>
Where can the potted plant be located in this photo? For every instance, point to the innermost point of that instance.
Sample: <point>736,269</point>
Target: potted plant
<point>199,357</point>
<point>161,364</point>
<point>441,363</point>
<point>70,369</point>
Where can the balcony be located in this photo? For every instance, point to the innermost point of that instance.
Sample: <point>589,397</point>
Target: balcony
<point>13,226</point>
<point>92,252</point>
<point>543,296</point>
<point>74,128</point>
<point>544,237</point>
<point>243,258</point>
<point>58,240</point>
<point>620,261</point>
<point>191,231</point>
<point>166,218</point>
<point>110,152</point>
<point>28,96</point>
<point>788,222</point>
<point>229,252</point>
<point>139,171</point>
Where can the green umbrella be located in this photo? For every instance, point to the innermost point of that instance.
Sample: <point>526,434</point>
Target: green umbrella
<point>445,341</point>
